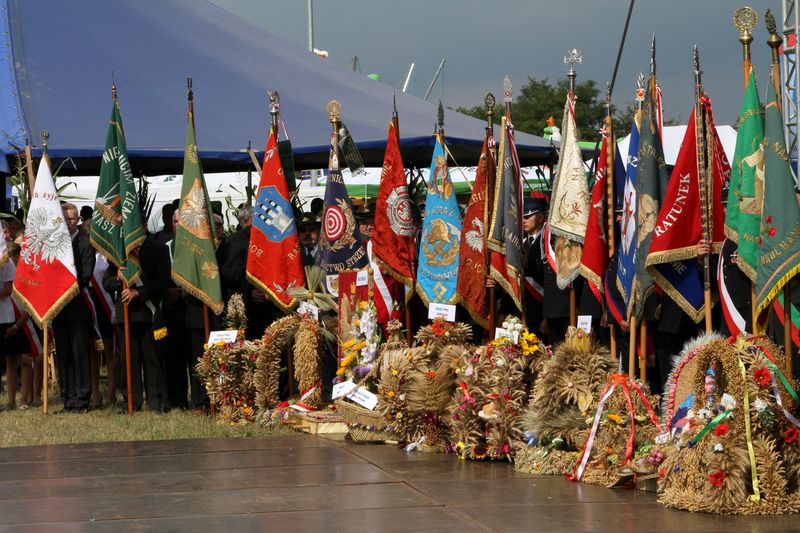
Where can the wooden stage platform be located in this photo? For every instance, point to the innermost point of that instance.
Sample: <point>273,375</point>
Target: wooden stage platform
<point>312,483</point>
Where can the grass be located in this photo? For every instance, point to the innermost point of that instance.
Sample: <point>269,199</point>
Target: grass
<point>31,427</point>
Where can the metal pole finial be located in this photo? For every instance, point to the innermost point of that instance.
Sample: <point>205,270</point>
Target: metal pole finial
<point>334,109</point>
<point>490,102</point>
<point>394,104</point>
<point>572,57</point>
<point>696,60</point>
<point>45,141</point>
<point>274,107</point>
<point>653,56</point>
<point>440,117</point>
<point>190,92</point>
<point>745,19</point>
<point>113,91</point>
<point>774,40</point>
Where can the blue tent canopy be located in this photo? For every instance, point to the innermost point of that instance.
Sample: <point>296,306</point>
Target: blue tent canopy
<point>56,74</point>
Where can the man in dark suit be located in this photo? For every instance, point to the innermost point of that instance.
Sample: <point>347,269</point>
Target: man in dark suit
<point>533,215</point>
<point>73,325</point>
<point>555,308</point>
<point>144,306</point>
<point>232,256</point>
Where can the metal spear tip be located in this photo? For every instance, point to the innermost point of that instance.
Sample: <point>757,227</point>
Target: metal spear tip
<point>189,90</point>
<point>440,115</point>
<point>45,138</point>
<point>274,102</point>
<point>774,40</point>
<point>769,19</point>
<point>696,59</point>
<point>745,19</point>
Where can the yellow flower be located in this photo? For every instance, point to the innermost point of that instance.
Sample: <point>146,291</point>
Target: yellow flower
<point>220,343</point>
<point>391,394</point>
<point>360,345</point>
<point>357,323</point>
<point>205,346</point>
<point>615,418</point>
<point>341,371</point>
<point>394,372</point>
<point>363,305</point>
<point>349,344</point>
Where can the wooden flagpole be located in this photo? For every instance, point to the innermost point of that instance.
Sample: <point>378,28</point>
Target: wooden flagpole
<point>45,369</point>
<point>745,19</point>
<point>127,329</point>
<point>775,41</point>
<point>703,183</point>
<point>611,152</point>
<point>632,345</point>
<point>574,57</point>
<point>643,349</point>
<point>406,300</point>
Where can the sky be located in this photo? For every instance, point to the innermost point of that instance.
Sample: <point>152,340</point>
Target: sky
<point>484,41</point>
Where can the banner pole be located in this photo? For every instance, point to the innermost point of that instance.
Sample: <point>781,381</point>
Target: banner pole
<point>632,345</point>
<point>489,101</point>
<point>127,328</point>
<point>207,328</point>
<point>45,369</point>
<point>788,349</point>
<point>643,349</point>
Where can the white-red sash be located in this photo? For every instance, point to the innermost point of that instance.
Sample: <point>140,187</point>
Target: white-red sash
<point>736,322</point>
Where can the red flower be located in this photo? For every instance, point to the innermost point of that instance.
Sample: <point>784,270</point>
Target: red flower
<point>769,219</point>
<point>437,329</point>
<point>763,376</point>
<point>791,434</point>
<point>720,430</point>
<point>772,231</point>
<point>717,478</point>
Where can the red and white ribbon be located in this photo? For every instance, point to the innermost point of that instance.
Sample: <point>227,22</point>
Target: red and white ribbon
<point>733,318</point>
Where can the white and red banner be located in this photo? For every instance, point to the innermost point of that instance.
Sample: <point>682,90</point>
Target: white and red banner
<point>46,279</point>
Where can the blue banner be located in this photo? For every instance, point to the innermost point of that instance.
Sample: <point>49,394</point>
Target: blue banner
<point>627,242</point>
<point>437,274</point>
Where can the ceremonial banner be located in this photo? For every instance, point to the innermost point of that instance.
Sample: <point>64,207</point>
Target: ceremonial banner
<point>437,274</point>
<point>779,249</point>
<point>341,242</point>
<point>393,235</point>
<point>651,184</point>
<point>569,207</point>
<point>117,229</point>
<point>626,269</point>
<point>471,285</point>
<point>194,262</point>
<point>672,260</point>
<point>594,259</point>
<point>745,196</point>
<point>274,262</point>
<point>46,279</point>
<point>505,234</point>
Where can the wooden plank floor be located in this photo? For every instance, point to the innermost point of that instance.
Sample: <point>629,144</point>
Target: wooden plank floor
<point>309,483</point>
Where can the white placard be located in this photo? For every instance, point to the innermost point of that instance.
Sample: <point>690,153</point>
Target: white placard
<point>362,278</point>
<point>310,309</point>
<point>446,311</point>
<point>226,336</point>
<point>499,333</point>
<point>340,389</point>
<point>585,323</point>
<point>364,398</point>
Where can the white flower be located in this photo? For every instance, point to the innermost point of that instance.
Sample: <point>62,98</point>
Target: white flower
<point>703,414</point>
<point>728,402</point>
<point>760,405</point>
<point>718,447</point>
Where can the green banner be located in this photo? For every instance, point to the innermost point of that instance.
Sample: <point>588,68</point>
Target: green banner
<point>194,263</point>
<point>779,249</point>
<point>743,215</point>
<point>117,229</point>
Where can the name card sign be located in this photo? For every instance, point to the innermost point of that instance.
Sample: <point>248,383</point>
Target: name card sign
<point>499,333</point>
<point>305,308</point>
<point>360,395</point>
<point>446,311</point>
<point>226,336</point>
<point>362,278</point>
<point>585,323</point>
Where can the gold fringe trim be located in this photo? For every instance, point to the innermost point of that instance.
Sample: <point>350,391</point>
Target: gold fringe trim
<point>503,282</point>
<point>668,256</point>
<point>198,293</point>
<point>272,296</point>
<point>592,277</point>
<point>427,301</point>
<point>566,235</point>
<point>765,303</point>
<point>405,280</point>
<point>731,234</point>
<point>677,297</point>
<point>747,270</point>
<point>54,310</point>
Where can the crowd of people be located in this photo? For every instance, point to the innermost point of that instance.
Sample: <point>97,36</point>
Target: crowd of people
<point>167,328</point>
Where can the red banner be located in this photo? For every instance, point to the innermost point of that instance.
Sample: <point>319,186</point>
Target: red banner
<point>595,246</point>
<point>274,262</point>
<point>393,236</point>
<point>471,285</point>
